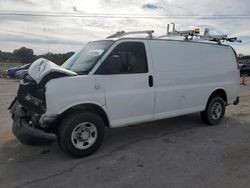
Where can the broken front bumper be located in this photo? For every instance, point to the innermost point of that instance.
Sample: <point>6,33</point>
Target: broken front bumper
<point>27,134</point>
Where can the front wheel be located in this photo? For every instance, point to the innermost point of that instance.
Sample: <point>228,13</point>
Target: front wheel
<point>81,133</point>
<point>214,112</point>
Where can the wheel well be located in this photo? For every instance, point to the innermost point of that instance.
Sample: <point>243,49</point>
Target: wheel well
<point>89,107</point>
<point>221,93</point>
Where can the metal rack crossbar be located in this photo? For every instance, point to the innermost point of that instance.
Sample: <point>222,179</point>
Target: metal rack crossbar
<point>123,33</point>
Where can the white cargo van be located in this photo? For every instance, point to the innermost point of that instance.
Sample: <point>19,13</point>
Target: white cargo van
<point>120,82</point>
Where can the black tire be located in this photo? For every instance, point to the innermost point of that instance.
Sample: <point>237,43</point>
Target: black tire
<point>208,116</point>
<point>69,126</point>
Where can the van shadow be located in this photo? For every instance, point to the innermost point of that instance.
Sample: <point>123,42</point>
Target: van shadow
<point>117,138</point>
<point>152,129</point>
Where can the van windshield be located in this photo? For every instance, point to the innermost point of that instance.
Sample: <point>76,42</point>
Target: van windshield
<point>83,61</point>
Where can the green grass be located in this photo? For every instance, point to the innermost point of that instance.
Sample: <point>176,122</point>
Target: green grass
<point>9,64</point>
<point>6,65</point>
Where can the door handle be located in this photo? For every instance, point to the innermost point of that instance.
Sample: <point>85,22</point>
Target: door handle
<point>150,81</point>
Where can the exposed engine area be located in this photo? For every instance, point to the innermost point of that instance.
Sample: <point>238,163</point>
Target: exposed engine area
<point>30,102</point>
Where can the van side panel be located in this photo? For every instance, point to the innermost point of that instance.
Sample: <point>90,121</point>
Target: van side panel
<point>186,73</point>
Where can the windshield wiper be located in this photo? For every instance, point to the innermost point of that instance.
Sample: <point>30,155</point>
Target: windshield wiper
<point>80,72</point>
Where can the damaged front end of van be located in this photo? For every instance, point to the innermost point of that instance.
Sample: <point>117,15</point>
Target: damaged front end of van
<point>29,105</point>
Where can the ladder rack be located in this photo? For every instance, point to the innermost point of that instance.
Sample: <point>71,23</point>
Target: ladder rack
<point>187,34</point>
<point>119,34</point>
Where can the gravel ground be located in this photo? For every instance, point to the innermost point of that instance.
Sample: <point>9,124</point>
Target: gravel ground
<point>176,152</point>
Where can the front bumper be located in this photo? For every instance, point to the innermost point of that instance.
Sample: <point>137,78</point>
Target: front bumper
<point>27,134</point>
<point>31,136</point>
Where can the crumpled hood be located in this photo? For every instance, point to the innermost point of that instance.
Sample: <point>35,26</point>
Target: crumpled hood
<point>41,67</point>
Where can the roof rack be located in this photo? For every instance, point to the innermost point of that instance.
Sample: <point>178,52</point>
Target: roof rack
<point>189,34</point>
<point>119,34</point>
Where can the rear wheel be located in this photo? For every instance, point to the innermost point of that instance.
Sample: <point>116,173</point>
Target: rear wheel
<point>215,111</point>
<point>81,133</point>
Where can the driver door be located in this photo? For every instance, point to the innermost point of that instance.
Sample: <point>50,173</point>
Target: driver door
<point>128,84</point>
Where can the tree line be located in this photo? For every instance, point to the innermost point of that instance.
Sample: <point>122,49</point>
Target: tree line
<point>26,55</point>
<point>242,56</point>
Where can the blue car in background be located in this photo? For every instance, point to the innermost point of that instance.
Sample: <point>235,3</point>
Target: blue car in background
<point>11,72</point>
<point>21,73</point>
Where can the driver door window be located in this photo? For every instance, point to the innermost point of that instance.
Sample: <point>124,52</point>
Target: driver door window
<point>126,58</point>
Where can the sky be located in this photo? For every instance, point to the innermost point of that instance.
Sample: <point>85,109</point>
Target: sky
<point>66,25</point>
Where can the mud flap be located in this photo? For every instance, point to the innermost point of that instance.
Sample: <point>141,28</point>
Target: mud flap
<point>237,101</point>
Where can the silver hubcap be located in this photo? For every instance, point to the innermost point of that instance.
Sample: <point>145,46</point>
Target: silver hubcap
<point>84,135</point>
<point>216,110</point>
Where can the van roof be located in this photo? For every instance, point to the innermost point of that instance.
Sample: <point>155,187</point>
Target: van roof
<point>167,39</point>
